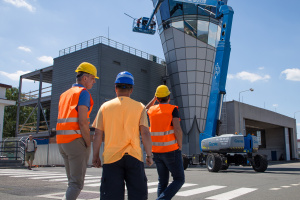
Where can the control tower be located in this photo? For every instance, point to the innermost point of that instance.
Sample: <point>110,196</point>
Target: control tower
<point>189,36</point>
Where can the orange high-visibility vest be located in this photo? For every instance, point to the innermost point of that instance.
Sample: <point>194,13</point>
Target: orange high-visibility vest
<point>67,127</point>
<point>162,133</point>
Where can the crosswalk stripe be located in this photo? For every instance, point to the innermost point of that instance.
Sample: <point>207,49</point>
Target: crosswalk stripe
<point>275,189</point>
<point>98,184</point>
<point>295,184</point>
<point>199,190</point>
<point>92,181</point>
<point>232,194</point>
<point>93,185</point>
<point>152,183</point>
<point>153,190</point>
<point>48,177</point>
<point>65,179</point>
<point>286,186</point>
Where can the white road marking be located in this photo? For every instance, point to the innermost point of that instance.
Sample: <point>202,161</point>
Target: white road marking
<point>153,190</point>
<point>199,190</point>
<point>48,177</point>
<point>286,186</point>
<point>232,194</point>
<point>65,179</point>
<point>275,189</point>
<point>295,184</point>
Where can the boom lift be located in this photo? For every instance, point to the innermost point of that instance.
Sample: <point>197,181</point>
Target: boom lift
<point>219,152</point>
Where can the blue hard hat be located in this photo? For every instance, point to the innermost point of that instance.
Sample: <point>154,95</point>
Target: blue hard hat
<point>125,78</point>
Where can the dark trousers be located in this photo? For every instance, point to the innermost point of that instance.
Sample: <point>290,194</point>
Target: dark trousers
<point>166,163</point>
<point>129,171</point>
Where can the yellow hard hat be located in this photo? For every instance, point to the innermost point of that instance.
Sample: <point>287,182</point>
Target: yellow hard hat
<point>162,91</point>
<point>87,68</point>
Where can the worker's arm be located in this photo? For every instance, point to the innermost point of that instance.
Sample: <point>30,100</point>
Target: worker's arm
<point>98,139</point>
<point>147,142</point>
<point>178,131</point>
<point>151,103</point>
<point>84,124</point>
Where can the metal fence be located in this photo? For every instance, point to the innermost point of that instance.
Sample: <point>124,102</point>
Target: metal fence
<point>46,91</point>
<point>12,150</point>
<point>111,43</point>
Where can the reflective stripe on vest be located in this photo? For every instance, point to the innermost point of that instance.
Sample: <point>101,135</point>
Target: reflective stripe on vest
<point>68,132</point>
<point>164,143</point>
<point>162,132</point>
<point>72,119</point>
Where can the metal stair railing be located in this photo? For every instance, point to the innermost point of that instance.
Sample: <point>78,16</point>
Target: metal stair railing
<point>12,150</point>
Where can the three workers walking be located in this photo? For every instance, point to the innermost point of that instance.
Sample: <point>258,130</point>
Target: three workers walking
<point>120,123</point>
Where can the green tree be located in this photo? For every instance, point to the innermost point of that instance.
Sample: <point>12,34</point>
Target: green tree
<point>10,114</point>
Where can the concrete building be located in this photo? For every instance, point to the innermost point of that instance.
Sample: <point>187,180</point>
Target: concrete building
<point>4,102</point>
<point>276,133</point>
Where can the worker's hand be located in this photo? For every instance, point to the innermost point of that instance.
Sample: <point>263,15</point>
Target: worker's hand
<point>149,161</point>
<point>96,162</point>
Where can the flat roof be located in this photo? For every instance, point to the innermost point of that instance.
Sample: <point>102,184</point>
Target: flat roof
<point>5,86</point>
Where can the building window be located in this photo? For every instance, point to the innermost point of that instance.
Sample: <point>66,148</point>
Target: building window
<point>190,27</point>
<point>176,8</point>
<point>202,33</point>
<point>178,25</point>
<point>164,11</point>
<point>212,34</point>
<point>189,9</point>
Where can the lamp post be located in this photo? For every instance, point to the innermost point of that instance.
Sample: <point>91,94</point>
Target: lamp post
<point>295,113</point>
<point>240,123</point>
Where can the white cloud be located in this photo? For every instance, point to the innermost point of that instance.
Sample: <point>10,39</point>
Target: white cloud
<point>24,48</point>
<point>21,3</point>
<point>14,76</point>
<point>46,59</point>
<point>292,74</point>
<point>261,68</point>
<point>247,76</point>
<point>230,76</point>
<point>298,124</point>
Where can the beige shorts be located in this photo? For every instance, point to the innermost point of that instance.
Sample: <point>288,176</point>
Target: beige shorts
<point>29,156</point>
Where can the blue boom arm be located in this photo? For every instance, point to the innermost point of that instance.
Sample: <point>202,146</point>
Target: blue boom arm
<point>219,76</point>
<point>154,11</point>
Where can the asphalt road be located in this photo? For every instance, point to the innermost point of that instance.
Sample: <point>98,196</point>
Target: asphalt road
<point>280,181</point>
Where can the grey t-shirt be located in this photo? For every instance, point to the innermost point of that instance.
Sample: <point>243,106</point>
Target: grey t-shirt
<point>30,145</point>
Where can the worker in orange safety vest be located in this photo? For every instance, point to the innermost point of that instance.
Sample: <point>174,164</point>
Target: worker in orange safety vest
<point>72,129</point>
<point>166,135</point>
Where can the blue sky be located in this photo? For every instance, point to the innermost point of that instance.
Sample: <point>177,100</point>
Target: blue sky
<point>264,42</point>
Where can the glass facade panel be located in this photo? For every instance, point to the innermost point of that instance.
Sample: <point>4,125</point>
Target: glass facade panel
<point>176,8</point>
<point>203,12</point>
<point>190,27</point>
<point>189,9</point>
<point>178,25</point>
<point>164,11</point>
<point>212,34</point>
<point>158,17</point>
<point>218,35</point>
<point>202,33</point>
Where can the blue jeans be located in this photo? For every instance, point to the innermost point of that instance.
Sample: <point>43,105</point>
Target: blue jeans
<point>165,163</point>
<point>129,171</point>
